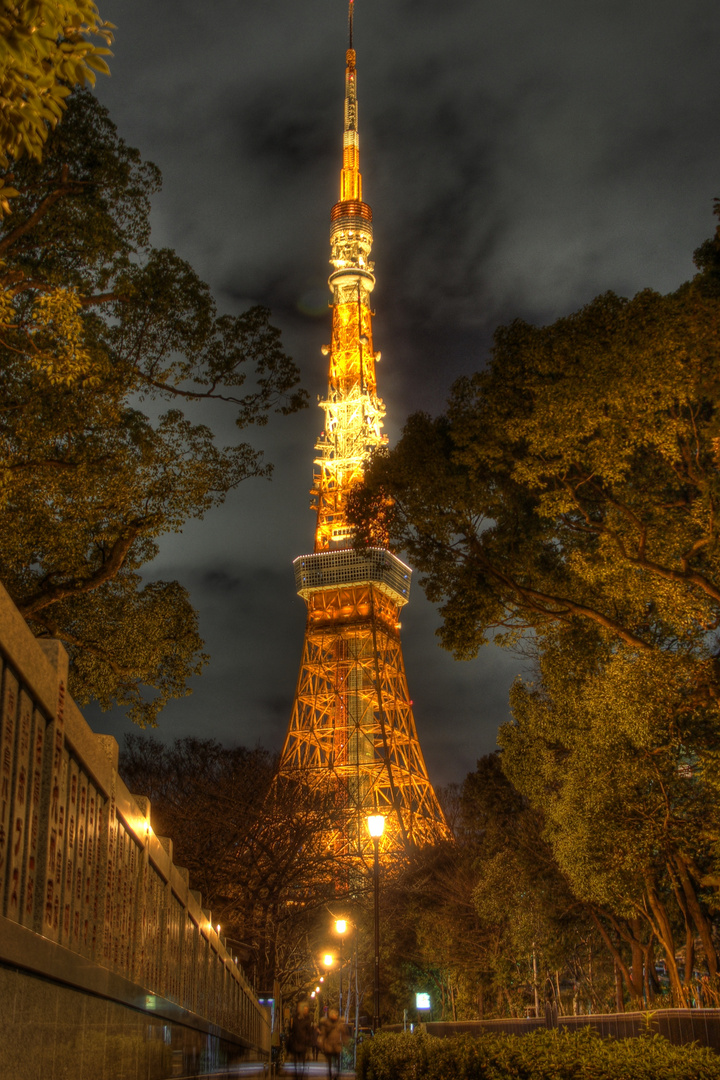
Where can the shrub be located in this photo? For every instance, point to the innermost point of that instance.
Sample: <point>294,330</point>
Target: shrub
<point>543,1055</point>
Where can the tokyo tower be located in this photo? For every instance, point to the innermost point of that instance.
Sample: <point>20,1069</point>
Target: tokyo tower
<point>352,722</point>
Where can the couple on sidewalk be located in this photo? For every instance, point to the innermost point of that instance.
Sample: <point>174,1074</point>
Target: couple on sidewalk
<point>329,1037</point>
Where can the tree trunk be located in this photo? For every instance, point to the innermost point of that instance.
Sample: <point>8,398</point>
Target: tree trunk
<point>651,979</point>
<point>590,977</point>
<point>639,958</point>
<point>664,934</point>
<point>619,963</point>
<point>689,954</point>
<point>619,1000</point>
<point>698,916</point>
<point>689,929</point>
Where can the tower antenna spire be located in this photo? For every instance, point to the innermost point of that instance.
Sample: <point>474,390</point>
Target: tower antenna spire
<point>351,9</point>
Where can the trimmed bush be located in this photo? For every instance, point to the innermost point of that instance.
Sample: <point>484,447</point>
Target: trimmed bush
<point>544,1055</point>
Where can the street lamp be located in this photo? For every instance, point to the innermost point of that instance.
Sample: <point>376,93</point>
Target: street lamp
<point>328,961</point>
<point>376,827</point>
<point>340,928</point>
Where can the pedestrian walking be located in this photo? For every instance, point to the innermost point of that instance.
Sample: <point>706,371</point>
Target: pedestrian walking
<point>302,1037</point>
<point>331,1039</point>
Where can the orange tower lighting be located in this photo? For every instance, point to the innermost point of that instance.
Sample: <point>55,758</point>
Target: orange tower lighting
<point>352,722</point>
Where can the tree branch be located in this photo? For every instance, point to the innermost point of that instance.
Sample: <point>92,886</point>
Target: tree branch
<point>110,567</point>
<point>66,188</point>
<point>561,605</point>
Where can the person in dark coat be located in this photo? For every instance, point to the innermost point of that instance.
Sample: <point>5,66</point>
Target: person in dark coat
<point>331,1039</point>
<point>302,1037</point>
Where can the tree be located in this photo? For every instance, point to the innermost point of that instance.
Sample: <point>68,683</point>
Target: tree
<point>47,51</point>
<point>574,482</point>
<point>623,767</point>
<point>567,504</point>
<point>484,922</point>
<point>94,322</point>
<point>258,852</point>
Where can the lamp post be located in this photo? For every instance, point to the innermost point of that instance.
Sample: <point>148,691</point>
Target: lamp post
<point>376,827</point>
<point>340,928</point>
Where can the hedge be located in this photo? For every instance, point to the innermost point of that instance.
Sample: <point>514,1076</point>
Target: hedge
<point>543,1055</point>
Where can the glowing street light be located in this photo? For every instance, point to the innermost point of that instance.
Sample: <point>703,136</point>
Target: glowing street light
<point>328,961</point>
<point>376,827</point>
<point>340,928</point>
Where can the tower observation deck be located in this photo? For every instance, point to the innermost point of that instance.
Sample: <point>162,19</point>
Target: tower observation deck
<point>352,722</point>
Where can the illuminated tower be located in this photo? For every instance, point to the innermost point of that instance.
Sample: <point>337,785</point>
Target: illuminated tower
<point>352,722</point>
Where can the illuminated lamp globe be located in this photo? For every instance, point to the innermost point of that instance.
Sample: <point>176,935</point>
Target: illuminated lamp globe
<point>376,825</point>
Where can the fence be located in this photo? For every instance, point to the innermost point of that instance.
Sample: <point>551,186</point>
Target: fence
<point>89,895</point>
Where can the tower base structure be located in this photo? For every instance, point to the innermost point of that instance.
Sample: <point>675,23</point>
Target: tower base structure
<point>352,722</point>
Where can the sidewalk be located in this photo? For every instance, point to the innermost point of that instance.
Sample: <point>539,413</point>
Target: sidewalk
<point>255,1070</point>
<point>312,1069</point>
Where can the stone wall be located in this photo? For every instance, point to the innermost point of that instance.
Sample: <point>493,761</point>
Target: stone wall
<point>89,895</point>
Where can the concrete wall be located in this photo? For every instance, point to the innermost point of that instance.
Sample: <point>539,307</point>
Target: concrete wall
<point>90,898</point>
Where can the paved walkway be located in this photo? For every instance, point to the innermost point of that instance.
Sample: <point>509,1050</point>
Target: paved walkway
<point>252,1070</point>
<point>312,1069</point>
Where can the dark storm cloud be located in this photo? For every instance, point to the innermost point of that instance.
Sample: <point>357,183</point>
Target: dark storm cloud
<point>221,581</point>
<point>519,158</point>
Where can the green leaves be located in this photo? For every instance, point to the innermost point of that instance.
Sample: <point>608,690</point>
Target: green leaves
<point>575,479</point>
<point>47,51</point>
<point>542,1055</point>
<point>567,503</point>
<point>96,325</point>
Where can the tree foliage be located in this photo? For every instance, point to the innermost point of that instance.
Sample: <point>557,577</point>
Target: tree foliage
<point>575,481</point>
<point>625,770</point>
<point>47,50</point>
<point>484,923</point>
<point>566,504</point>
<point>94,322</point>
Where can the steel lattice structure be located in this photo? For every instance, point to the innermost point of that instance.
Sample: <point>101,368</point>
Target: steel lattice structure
<point>352,721</point>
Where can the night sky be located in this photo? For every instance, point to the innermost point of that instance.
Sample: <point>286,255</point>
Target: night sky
<point>519,157</point>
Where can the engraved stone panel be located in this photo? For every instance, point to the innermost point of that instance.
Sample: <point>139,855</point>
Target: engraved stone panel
<point>34,803</point>
<point>53,804</point>
<point>18,813</point>
<point>69,851</point>
<point>7,745</point>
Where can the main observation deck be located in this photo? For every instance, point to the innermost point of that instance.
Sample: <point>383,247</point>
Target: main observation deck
<point>345,567</point>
